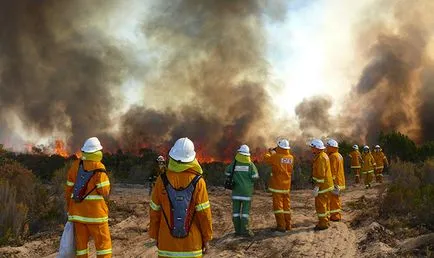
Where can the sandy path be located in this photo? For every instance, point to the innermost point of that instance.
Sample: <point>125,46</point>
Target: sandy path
<point>130,220</point>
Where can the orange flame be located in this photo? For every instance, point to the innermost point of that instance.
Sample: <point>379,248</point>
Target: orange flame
<point>59,148</point>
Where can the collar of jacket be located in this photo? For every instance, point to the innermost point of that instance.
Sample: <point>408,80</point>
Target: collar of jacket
<point>242,158</point>
<point>181,167</point>
<point>94,156</point>
<point>282,151</point>
<point>319,154</point>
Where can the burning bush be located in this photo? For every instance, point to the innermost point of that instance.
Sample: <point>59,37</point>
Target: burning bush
<point>411,193</point>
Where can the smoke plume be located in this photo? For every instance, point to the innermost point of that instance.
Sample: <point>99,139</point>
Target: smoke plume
<point>58,71</point>
<point>211,73</point>
<point>313,117</point>
<point>389,95</point>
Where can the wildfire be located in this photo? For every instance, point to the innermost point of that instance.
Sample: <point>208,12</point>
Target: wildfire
<point>59,148</point>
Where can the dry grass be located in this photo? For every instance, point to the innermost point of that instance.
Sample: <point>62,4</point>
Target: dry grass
<point>411,193</point>
<point>13,214</point>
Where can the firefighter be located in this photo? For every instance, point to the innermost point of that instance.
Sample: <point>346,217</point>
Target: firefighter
<point>159,169</point>
<point>279,184</point>
<point>87,186</point>
<point>243,173</point>
<point>183,184</point>
<point>356,161</point>
<point>368,166</point>
<point>323,181</point>
<point>338,174</point>
<point>380,161</point>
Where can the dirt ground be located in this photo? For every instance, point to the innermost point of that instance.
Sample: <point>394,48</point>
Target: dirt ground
<point>129,220</point>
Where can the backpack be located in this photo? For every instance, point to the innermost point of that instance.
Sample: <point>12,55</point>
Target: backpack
<point>81,181</point>
<point>229,184</point>
<point>182,208</point>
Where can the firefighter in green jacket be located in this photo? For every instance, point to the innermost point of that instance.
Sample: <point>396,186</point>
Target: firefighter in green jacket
<point>243,173</point>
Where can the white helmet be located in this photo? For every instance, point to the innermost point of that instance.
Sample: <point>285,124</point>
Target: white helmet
<point>183,150</point>
<point>366,147</point>
<point>318,144</point>
<point>91,145</point>
<point>284,144</point>
<point>244,149</point>
<point>160,158</point>
<point>377,147</point>
<point>332,143</point>
<point>355,146</point>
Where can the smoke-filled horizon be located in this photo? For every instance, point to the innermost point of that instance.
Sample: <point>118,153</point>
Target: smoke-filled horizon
<point>203,71</point>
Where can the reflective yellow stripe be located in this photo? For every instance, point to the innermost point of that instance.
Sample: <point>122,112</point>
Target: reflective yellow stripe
<point>326,190</point>
<point>86,219</point>
<point>102,252</point>
<point>341,187</point>
<point>69,183</point>
<point>82,252</point>
<point>197,253</point>
<point>335,211</point>
<point>379,167</point>
<point>318,180</point>
<point>278,211</point>
<point>367,172</point>
<point>203,206</point>
<point>322,215</point>
<point>92,197</point>
<point>278,191</point>
<point>356,166</point>
<point>380,175</point>
<point>102,184</point>
<point>154,206</point>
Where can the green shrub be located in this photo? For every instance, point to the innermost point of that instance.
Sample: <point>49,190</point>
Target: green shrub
<point>13,214</point>
<point>411,193</point>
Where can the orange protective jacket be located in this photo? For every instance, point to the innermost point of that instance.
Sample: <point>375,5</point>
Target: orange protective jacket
<point>380,159</point>
<point>321,173</point>
<point>356,159</point>
<point>337,169</point>
<point>93,209</point>
<point>282,163</point>
<point>201,228</point>
<point>368,163</point>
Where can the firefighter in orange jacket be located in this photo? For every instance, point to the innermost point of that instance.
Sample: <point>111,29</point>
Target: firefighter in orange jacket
<point>356,161</point>
<point>368,166</point>
<point>338,174</point>
<point>87,208</point>
<point>380,161</point>
<point>279,184</point>
<point>183,169</point>
<point>323,181</point>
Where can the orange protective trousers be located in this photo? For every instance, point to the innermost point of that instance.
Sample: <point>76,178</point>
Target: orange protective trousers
<point>282,210</point>
<point>379,175</point>
<point>335,207</point>
<point>368,178</point>
<point>322,206</point>
<point>357,174</point>
<point>100,234</point>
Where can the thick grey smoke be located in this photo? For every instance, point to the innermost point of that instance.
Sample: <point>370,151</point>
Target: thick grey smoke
<point>212,73</point>
<point>313,116</point>
<point>57,70</point>
<point>388,95</point>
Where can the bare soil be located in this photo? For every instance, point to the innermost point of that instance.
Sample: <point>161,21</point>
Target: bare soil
<point>357,235</point>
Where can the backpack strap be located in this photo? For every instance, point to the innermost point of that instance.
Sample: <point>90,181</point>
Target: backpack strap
<point>166,184</point>
<point>101,170</point>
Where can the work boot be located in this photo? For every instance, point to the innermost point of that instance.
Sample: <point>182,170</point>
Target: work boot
<point>237,225</point>
<point>248,233</point>
<point>318,228</point>
<point>281,230</point>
